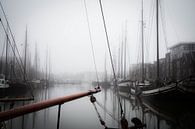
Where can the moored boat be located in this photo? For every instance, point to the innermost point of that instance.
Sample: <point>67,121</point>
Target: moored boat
<point>3,82</point>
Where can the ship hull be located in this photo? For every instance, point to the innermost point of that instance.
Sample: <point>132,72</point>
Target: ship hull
<point>168,93</point>
<point>15,90</point>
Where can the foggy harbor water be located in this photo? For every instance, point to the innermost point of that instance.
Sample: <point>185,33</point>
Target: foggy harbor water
<point>141,52</point>
<point>80,114</point>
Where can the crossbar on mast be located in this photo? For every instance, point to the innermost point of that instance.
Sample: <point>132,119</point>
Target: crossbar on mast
<point>19,111</point>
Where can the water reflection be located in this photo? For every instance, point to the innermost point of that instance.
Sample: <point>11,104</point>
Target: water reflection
<point>163,115</point>
<point>80,114</point>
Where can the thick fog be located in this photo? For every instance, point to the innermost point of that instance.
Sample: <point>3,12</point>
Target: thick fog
<point>61,27</point>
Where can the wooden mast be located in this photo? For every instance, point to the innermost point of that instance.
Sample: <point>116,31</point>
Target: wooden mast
<point>119,65</point>
<point>142,41</point>
<point>36,60</point>
<point>122,57</point>
<point>25,52</point>
<point>125,50</point>
<point>157,38</point>
<point>6,56</point>
<point>46,67</point>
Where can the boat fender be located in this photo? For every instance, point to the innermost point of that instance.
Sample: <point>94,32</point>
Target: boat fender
<point>92,99</point>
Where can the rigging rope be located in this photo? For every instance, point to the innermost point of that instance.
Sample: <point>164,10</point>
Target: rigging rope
<point>10,43</point>
<point>16,58</point>
<point>15,46</point>
<point>105,109</point>
<point>2,56</point>
<point>90,37</point>
<point>111,60</point>
<point>6,32</point>
<point>19,61</point>
<point>11,34</point>
<point>93,100</point>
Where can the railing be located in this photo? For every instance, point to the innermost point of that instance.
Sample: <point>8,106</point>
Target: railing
<point>20,111</point>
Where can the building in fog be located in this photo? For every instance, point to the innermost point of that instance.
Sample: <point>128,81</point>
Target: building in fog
<point>177,51</point>
<point>180,61</point>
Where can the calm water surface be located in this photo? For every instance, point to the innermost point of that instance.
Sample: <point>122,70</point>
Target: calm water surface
<point>80,114</point>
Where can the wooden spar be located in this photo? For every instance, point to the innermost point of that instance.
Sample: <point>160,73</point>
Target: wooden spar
<point>19,111</point>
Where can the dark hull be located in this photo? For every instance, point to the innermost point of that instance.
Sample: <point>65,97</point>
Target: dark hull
<point>129,88</point>
<point>125,89</point>
<point>15,90</point>
<point>124,86</point>
<point>180,113</point>
<point>168,93</point>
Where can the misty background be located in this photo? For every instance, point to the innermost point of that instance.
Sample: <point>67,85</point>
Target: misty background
<point>60,27</point>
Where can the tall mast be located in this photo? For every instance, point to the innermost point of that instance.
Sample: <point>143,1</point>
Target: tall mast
<point>6,57</point>
<point>25,50</point>
<point>13,62</point>
<point>36,64</point>
<point>142,41</point>
<point>49,66</point>
<point>157,38</point>
<point>14,59</point>
<point>125,49</point>
<point>46,72</point>
<point>119,64</point>
<point>122,57</point>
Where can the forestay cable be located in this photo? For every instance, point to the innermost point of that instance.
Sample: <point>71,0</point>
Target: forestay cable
<point>90,37</point>
<point>111,60</point>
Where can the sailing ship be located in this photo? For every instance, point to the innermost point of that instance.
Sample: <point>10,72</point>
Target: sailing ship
<point>3,82</point>
<point>160,90</point>
<point>123,82</point>
<point>134,86</point>
<point>22,83</point>
<point>3,77</point>
<point>10,86</point>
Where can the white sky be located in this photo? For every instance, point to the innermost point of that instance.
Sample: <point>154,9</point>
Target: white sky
<point>62,25</point>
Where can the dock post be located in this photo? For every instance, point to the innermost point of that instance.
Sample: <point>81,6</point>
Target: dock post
<point>58,120</point>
